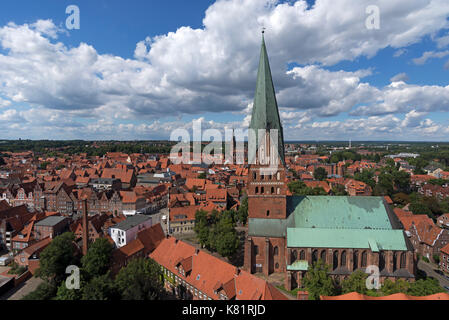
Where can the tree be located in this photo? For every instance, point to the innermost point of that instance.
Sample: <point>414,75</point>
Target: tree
<point>320,174</point>
<point>420,208</point>
<point>44,291</point>
<point>202,175</point>
<point>141,279</point>
<point>242,213</point>
<point>339,190</point>
<point>100,288</point>
<point>425,287</point>
<point>97,261</point>
<point>202,227</point>
<point>55,258</point>
<point>355,282</point>
<point>318,282</point>
<point>64,293</point>
<point>391,287</point>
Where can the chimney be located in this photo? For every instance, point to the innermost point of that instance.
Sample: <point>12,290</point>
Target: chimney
<point>85,228</point>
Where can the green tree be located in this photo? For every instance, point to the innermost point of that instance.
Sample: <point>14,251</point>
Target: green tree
<point>67,294</point>
<point>242,213</point>
<point>55,258</point>
<point>97,261</point>
<point>100,288</point>
<point>320,173</point>
<point>44,291</point>
<point>339,190</point>
<point>425,287</point>
<point>202,227</point>
<point>318,282</point>
<point>202,175</point>
<point>141,279</point>
<point>391,287</point>
<point>355,282</point>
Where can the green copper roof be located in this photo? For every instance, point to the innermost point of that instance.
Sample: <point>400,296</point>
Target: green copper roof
<point>339,212</point>
<point>334,222</point>
<point>265,113</point>
<point>299,265</point>
<point>346,238</point>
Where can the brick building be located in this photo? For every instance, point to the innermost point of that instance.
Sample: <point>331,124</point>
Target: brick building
<point>288,233</point>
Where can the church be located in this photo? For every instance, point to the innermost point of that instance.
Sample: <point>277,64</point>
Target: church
<point>286,234</point>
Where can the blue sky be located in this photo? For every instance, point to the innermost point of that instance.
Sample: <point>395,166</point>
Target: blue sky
<point>140,69</point>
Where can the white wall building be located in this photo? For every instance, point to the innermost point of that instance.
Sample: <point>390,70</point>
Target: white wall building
<point>127,230</point>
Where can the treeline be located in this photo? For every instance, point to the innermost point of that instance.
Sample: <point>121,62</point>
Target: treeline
<point>57,148</point>
<point>318,283</point>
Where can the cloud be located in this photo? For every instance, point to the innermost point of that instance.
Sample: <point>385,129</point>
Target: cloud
<point>213,68</point>
<point>400,77</point>
<point>429,55</point>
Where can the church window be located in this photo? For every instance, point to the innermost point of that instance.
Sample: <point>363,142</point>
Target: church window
<point>356,260</point>
<point>343,259</point>
<point>323,256</point>
<point>276,251</point>
<point>382,261</point>
<point>254,175</point>
<point>257,190</point>
<point>277,265</point>
<point>302,255</point>
<point>395,259</point>
<point>403,260</point>
<point>279,176</point>
<point>294,256</point>
<point>268,213</point>
<point>314,256</point>
<point>364,259</point>
<point>335,260</point>
<point>279,190</point>
<point>262,190</point>
<point>256,250</point>
<point>272,190</point>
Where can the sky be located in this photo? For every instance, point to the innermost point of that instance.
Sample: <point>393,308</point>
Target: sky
<point>139,70</point>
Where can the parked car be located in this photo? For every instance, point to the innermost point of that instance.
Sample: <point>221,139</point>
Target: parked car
<point>4,261</point>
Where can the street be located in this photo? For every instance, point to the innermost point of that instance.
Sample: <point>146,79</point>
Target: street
<point>429,269</point>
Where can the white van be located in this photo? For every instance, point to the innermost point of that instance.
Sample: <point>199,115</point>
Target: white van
<point>4,261</point>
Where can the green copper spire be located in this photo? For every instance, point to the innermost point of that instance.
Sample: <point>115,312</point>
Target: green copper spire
<point>265,113</point>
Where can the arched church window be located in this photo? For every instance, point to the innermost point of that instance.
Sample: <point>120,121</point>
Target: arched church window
<point>382,261</point>
<point>335,260</point>
<point>262,190</point>
<point>403,260</point>
<point>364,259</point>
<point>254,175</point>
<point>294,256</point>
<point>302,255</point>
<point>279,175</point>
<point>314,256</point>
<point>272,190</point>
<point>275,251</point>
<point>395,259</point>
<point>343,259</point>
<point>323,256</point>
<point>257,190</point>
<point>356,260</point>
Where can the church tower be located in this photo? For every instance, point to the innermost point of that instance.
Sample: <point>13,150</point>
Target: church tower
<point>267,189</point>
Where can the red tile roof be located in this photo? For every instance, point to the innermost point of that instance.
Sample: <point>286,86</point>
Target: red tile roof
<point>211,275</point>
